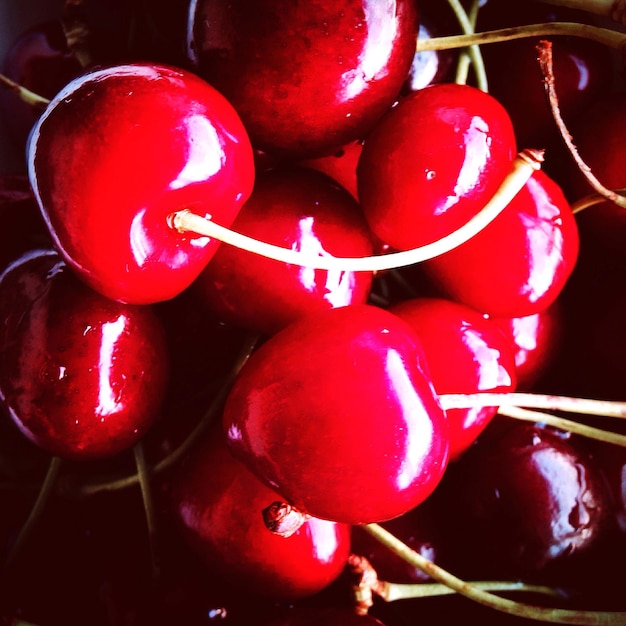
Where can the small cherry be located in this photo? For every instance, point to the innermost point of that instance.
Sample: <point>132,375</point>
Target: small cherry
<point>218,502</point>
<point>81,375</point>
<point>302,209</point>
<point>337,413</point>
<point>466,353</point>
<point>119,149</point>
<point>432,162</point>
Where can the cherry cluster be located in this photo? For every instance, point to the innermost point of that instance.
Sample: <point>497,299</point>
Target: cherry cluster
<point>296,300</point>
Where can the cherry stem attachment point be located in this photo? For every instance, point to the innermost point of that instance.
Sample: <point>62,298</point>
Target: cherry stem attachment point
<point>486,598</point>
<point>522,168</point>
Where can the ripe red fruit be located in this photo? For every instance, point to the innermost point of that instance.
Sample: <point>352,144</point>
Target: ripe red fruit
<point>116,152</point>
<point>338,414</point>
<point>301,209</point>
<point>432,162</point>
<point>520,262</point>
<point>218,503</point>
<point>466,353</point>
<point>305,78</point>
<point>82,376</point>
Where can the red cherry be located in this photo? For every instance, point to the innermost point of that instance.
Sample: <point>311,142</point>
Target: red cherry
<point>306,79</point>
<point>218,505</point>
<point>338,414</point>
<point>81,375</point>
<point>518,264</point>
<point>432,162</point>
<point>115,153</point>
<point>301,209</point>
<point>466,353</point>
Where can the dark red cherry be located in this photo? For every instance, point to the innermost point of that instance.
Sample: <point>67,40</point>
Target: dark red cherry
<point>306,79</point>
<point>531,499</point>
<point>466,353</point>
<point>218,505</point>
<point>520,262</point>
<point>301,209</point>
<point>40,60</point>
<point>115,153</point>
<point>432,162</point>
<point>338,414</point>
<point>82,376</point>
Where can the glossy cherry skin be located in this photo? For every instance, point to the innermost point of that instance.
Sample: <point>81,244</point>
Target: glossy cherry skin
<point>218,504</point>
<point>39,60</point>
<point>338,414</point>
<point>301,209</point>
<point>432,162</point>
<point>520,262</point>
<point>466,353</point>
<point>537,340</point>
<point>115,153</point>
<point>306,79</point>
<point>82,376</point>
<point>531,498</point>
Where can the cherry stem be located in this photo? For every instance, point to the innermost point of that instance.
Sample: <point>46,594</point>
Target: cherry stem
<point>472,54</point>
<point>563,424</point>
<point>486,598</point>
<point>148,505</point>
<point>585,406</point>
<point>591,200</point>
<point>615,9</point>
<point>607,36</point>
<point>544,49</point>
<point>28,96</point>
<point>36,511</point>
<point>524,165</point>
<point>368,585</point>
<point>68,488</point>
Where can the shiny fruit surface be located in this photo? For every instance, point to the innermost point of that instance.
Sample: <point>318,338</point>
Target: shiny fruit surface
<point>115,153</point>
<point>344,392</point>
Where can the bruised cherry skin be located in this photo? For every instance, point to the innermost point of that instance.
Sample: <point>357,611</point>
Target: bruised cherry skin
<point>520,262</point>
<point>301,209</point>
<point>81,375</point>
<point>116,152</point>
<point>217,503</point>
<point>466,353</point>
<point>306,78</point>
<point>432,162</point>
<point>341,393</point>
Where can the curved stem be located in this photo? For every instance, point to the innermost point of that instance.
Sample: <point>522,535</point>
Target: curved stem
<point>576,428</point>
<point>583,406</point>
<point>486,598</point>
<point>608,37</point>
<point>42,498</point>
<point>523,166</point>
<point>148,504</point>
<point>28,96</point>
<point>473,52</point>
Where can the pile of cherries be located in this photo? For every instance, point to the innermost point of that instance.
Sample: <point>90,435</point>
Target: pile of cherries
<point>280,286</point>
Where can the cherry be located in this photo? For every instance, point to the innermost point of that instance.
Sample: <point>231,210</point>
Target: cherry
<point>301,414</point>
<point>218,504</point>
<point>519,264</point>
<point>164,140</point>
<point>81,375</point>
<point>305,80</point>
<point>531,500</point>
<point>432,162</point>
<point>39,60</point>
<point>482,358</point>
<point>302,209</point>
